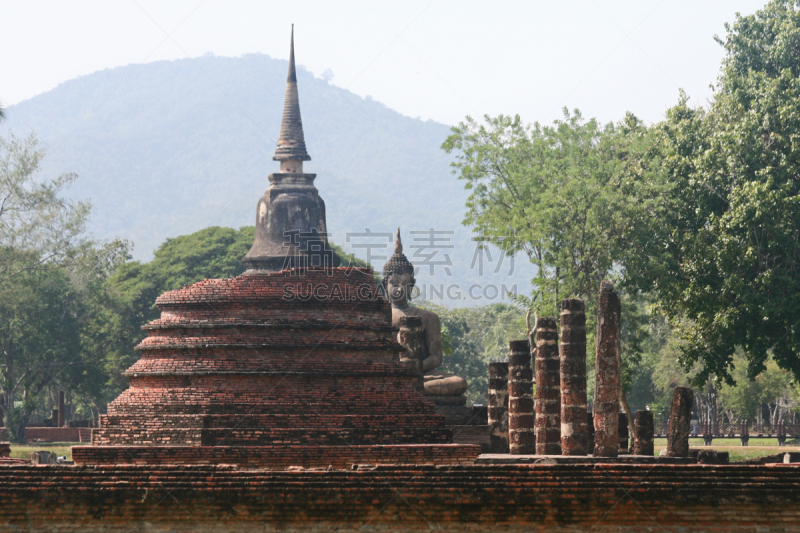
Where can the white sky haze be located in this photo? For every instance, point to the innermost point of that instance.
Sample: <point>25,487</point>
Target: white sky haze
<point>433,59</point>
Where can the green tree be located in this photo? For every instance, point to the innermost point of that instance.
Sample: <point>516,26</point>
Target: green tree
<point>45,285</point>
<point>729,258</point>
<point>38,226</point>
<point>40,342</point>
<point>474,336</point>
<point>578,198</point>
<point>573,197</point>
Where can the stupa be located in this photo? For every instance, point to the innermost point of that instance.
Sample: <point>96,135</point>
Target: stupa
<point>278,367</point>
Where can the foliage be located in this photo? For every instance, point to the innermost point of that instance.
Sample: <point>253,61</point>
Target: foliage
<point>51,275</point>
<point>730,255</point>
<point>38,226</point>
<point>475,336</point>
<point>40,341</point>
<point>571,196</point>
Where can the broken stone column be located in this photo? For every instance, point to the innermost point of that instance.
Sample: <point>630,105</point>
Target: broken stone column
<point>60,422</point>
<point>43,458</point>
<point>606,373</point>
<point>497,408</point>
<point>623,432</point>
<point>548,395</point>
<point>680,418</point>
<point>574,427</point>
<point>410,338</point>
<point>521,436</point>
<point>643,438</point>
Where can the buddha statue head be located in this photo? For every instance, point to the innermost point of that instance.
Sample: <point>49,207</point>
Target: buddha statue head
<point>398,276</point>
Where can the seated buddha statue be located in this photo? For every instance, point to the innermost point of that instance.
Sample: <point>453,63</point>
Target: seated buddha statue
<point>398,282</point>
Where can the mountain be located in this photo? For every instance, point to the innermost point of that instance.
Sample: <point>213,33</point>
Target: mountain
<point>167,148</point>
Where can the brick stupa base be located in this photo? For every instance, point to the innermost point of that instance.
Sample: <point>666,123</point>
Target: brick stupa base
<point>296,367</point>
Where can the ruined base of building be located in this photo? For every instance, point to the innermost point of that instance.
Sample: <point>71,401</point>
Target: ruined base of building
<point>563,497</point>
<point>277,457</point>
<point>468,424</point>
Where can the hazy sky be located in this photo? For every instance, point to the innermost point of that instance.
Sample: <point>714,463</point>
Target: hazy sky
<point>436,59</point>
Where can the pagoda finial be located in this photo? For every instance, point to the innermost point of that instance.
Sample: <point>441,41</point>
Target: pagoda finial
<point>398,244</point>
<point>291,143</point>
<point>292,72</point>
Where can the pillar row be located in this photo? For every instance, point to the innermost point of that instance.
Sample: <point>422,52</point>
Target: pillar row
<point>607,373</point>
<point>574,421</point>
<point>548,381</point>
<point>521,436</point>
<point>497,409</point>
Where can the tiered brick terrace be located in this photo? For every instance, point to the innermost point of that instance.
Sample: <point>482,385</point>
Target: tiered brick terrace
<point>296,367</point>
<point>573,498</point>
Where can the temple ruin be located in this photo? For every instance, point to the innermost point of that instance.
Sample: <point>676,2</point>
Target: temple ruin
<point>297,397</point>
<point>293,363</point>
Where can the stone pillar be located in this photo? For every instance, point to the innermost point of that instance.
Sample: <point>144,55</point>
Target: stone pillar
<point>623,432</point>
<point>643,438</point>
<point>680,418</point>
<point>606,373</point>
<point>409,337</point>
<point>574,427</point>
<point>497,408</point>
<point>521,436</point>
<point>61,413</point>
<point>548,395</point>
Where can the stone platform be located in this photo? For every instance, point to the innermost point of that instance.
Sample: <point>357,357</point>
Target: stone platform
<point>297,367</point>
<point>568,498</point>
<point>506,459</point>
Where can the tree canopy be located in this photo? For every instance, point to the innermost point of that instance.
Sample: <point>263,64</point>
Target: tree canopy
<point>700,211</point>
<point>730,252</point>
<point>572,196</point>
<point>51,280</point>
<point>38,225</point>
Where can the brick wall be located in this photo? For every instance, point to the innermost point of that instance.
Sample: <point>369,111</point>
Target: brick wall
<point>304,357</point>
<point>514,498</point>
<point>64,434</point>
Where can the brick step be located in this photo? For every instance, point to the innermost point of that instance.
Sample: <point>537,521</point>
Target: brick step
<point>736,478</point>
<point>278,456</point>
<point>305,420</point>
<point>332,336</point>
<point>125,436</point>
<point>310,343</point>
<point>266,370</point>
<point>242,324</point>
<point>249,361</point>
<point>397,385</point>
<point>198,400</point>
<point>274,408</point>
<point>472,434</point>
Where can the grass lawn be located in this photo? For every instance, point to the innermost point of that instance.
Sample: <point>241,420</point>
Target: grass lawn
<point>23,451</point>
<point>755,448</point>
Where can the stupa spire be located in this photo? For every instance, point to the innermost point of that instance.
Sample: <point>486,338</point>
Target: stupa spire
<point>291,143</point>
